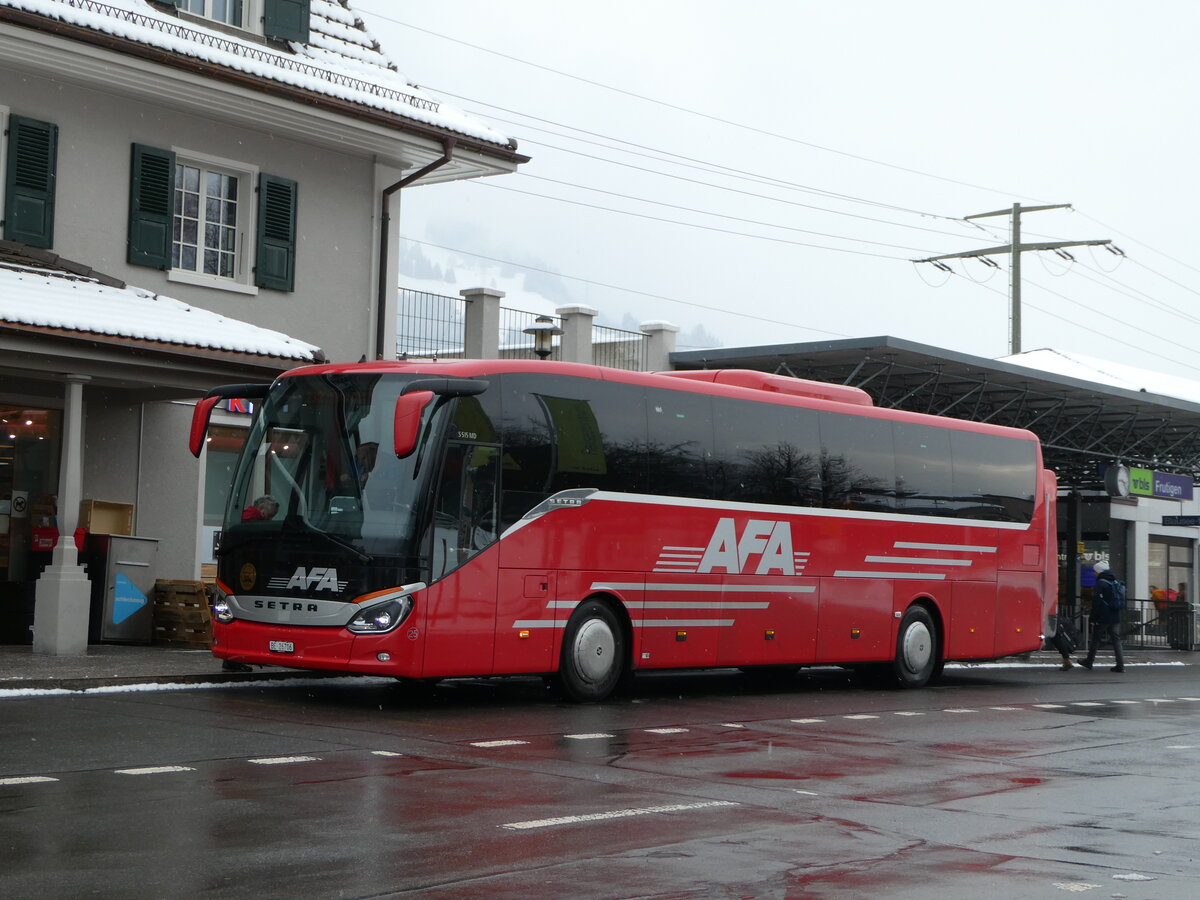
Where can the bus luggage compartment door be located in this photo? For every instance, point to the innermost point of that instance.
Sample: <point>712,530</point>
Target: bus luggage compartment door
<point>525,621</point>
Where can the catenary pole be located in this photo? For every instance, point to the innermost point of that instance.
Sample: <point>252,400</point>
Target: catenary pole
<point>1016,248</point>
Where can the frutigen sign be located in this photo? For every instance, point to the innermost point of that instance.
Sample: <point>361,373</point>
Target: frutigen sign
<point>1146,483</point>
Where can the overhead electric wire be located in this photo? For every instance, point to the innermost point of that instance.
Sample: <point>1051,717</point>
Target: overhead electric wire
<point>627,290</point>
<point>679,159</point>
<point>760,237</point>
<point>683,109</point>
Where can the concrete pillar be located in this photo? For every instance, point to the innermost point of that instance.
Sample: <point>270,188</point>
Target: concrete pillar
<point>481,334</point>
<point>1137,561</point>
<point>660,344</point>
<point>62,596</point>
<point>576,339</point>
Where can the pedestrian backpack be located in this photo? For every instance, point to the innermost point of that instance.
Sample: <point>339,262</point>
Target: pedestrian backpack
<point>1117,601</point>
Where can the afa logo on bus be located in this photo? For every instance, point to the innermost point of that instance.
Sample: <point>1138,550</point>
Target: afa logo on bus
<point>763,548</point>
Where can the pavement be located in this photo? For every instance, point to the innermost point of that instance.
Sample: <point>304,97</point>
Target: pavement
<point>116,664</point>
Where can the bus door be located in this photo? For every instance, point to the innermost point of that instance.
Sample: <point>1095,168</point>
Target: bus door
<point>461,599</point>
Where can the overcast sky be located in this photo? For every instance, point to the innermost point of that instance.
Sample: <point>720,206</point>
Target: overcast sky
<point>813,149</point>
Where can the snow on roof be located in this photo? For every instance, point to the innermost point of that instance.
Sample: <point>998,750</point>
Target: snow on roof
<point>1103,371</point>
<point>52,297</point>
<point>341,60</point>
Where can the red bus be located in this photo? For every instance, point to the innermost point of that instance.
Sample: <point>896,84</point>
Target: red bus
<point>426,520</point>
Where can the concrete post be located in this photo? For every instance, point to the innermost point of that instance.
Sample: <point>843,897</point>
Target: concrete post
<point>481,335</point>
<point>576,339</point>
<point>660,344</point>
<point>62,597</point>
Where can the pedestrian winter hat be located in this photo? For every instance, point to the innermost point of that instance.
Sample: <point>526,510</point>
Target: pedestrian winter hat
<point>1099,567</point>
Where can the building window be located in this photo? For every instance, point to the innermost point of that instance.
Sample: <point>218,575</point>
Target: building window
<point>230,12</point>
<point>205,233</point>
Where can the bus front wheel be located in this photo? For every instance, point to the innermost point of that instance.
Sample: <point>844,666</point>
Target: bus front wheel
<point>916,649</point>
<point>593,652</point>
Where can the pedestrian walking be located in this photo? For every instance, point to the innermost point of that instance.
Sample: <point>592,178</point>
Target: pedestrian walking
<point>1108,599</point>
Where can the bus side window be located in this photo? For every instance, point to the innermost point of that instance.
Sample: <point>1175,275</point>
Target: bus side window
<point>858,462</point>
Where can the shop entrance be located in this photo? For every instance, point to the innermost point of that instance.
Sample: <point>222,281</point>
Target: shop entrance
<point>30,441</point>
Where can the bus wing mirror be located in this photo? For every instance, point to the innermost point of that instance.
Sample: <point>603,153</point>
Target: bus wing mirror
<point>407,424</point>
<point>200,416</point>
<point>203,411</point>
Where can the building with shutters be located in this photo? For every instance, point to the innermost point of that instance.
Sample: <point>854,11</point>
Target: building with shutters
<point>241,159</point>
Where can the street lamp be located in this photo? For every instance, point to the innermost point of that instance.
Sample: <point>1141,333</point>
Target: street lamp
<point>543,330</point>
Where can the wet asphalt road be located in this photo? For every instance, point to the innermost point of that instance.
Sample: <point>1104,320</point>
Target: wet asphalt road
<point>1016,782</point>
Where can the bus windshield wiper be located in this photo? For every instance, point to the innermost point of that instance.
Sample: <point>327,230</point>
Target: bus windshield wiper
<point>309,528</point>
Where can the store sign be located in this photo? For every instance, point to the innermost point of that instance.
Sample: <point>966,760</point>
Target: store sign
<point>1146,483</point>
<point>236,405</point>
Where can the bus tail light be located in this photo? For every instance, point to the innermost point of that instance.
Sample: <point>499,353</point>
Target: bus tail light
<point>382,617</point>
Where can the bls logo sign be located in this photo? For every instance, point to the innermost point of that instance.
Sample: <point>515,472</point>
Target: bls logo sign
<point>317,579</point>
<point>768,542</point>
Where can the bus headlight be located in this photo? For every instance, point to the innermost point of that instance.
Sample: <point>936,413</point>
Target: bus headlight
<point>382,617</point>
<point>221,610</point>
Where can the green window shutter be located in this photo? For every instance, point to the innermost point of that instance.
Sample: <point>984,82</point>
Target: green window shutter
<point>286,20</point>
<point>151,207</point>
<point>29,181</point>
<point>275,248</point>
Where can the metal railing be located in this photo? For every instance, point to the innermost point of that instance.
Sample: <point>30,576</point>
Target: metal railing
<point>1145,625</point>
<point>430,325</point>
<point>434,326</point>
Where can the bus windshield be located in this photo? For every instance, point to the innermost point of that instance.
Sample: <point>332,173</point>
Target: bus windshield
<point>319,460</point>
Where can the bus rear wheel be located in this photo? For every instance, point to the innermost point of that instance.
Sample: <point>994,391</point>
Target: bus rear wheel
<point>593,653</point>
<point>916,649</point>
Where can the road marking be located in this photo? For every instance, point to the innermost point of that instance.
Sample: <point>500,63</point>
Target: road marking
<point>385,753</point>
<point>588,737</point>
<point>509,743</point>
<point>1048,705</point>
<point>731,725</point>
<point>615,814</point>
<point>1127,702</point>
<point>27,779</point>
<point>806,721</point>
<point>154,770</point>
<point>959,710</point>
<point>1181,746</point>
<point>909,714</point>
<point>1005,708</point>
<point>282,760</point>
<point>1076,887</point>
<point>806,793</point>
<point>1087,703</point>
<point>1192,699</point>
<point>859,716</point>
<point>666,730</point>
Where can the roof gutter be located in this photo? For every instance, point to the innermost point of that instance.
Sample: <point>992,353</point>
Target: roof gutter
<point>385,217</point>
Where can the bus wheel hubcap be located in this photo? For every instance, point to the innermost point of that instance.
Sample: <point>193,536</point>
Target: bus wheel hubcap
<point>918,647</point>
<point>594,646</point>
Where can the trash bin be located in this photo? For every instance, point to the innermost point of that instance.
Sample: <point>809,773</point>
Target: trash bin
<point>1179,625</point>
<point>122,572</point>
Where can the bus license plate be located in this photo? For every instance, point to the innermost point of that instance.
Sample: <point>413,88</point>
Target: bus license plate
<point>281,647</point>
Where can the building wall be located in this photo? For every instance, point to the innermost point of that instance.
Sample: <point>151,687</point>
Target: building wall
<point>331,306</point>
<point>171,485</point>
<point>111,451</point>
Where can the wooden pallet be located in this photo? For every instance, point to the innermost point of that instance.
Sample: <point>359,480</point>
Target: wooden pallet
<point>181,613</point>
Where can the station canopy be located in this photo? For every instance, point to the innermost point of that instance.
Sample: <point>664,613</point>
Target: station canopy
<point>1087,415</point>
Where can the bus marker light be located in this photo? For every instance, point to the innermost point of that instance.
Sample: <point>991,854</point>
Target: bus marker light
<point>681,635</point>
<point>523,633</point>
<point>769,634</point>
<point>855,634</point>
<point>383,656</point>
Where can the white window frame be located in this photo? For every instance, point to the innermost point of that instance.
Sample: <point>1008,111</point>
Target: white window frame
<point>252,13</point>
<point>242,281</point>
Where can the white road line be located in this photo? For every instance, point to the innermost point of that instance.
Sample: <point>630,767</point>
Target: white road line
<point>614,814</point>
<point>1127,702</point>
<point>731,725</point>
<point>1005,708</point>
<point>666,730</point>
<point>1181,746</point>
<point>508,743</point>
<point>282,760</point>
<point>806,793</point>
<point>27,779</point>
<point>960,710</point>
<point>1049,706</point>
<point>1192,699</point>
<point>861,716</point>
<point>806,721</point>
<point>1087,703</point>
<point>385,753</point>
<point>588,737</point>
<point>154,770</point>
<point>909,714</point>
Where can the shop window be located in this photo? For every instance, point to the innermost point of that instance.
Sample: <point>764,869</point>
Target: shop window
<point>29,458</point>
